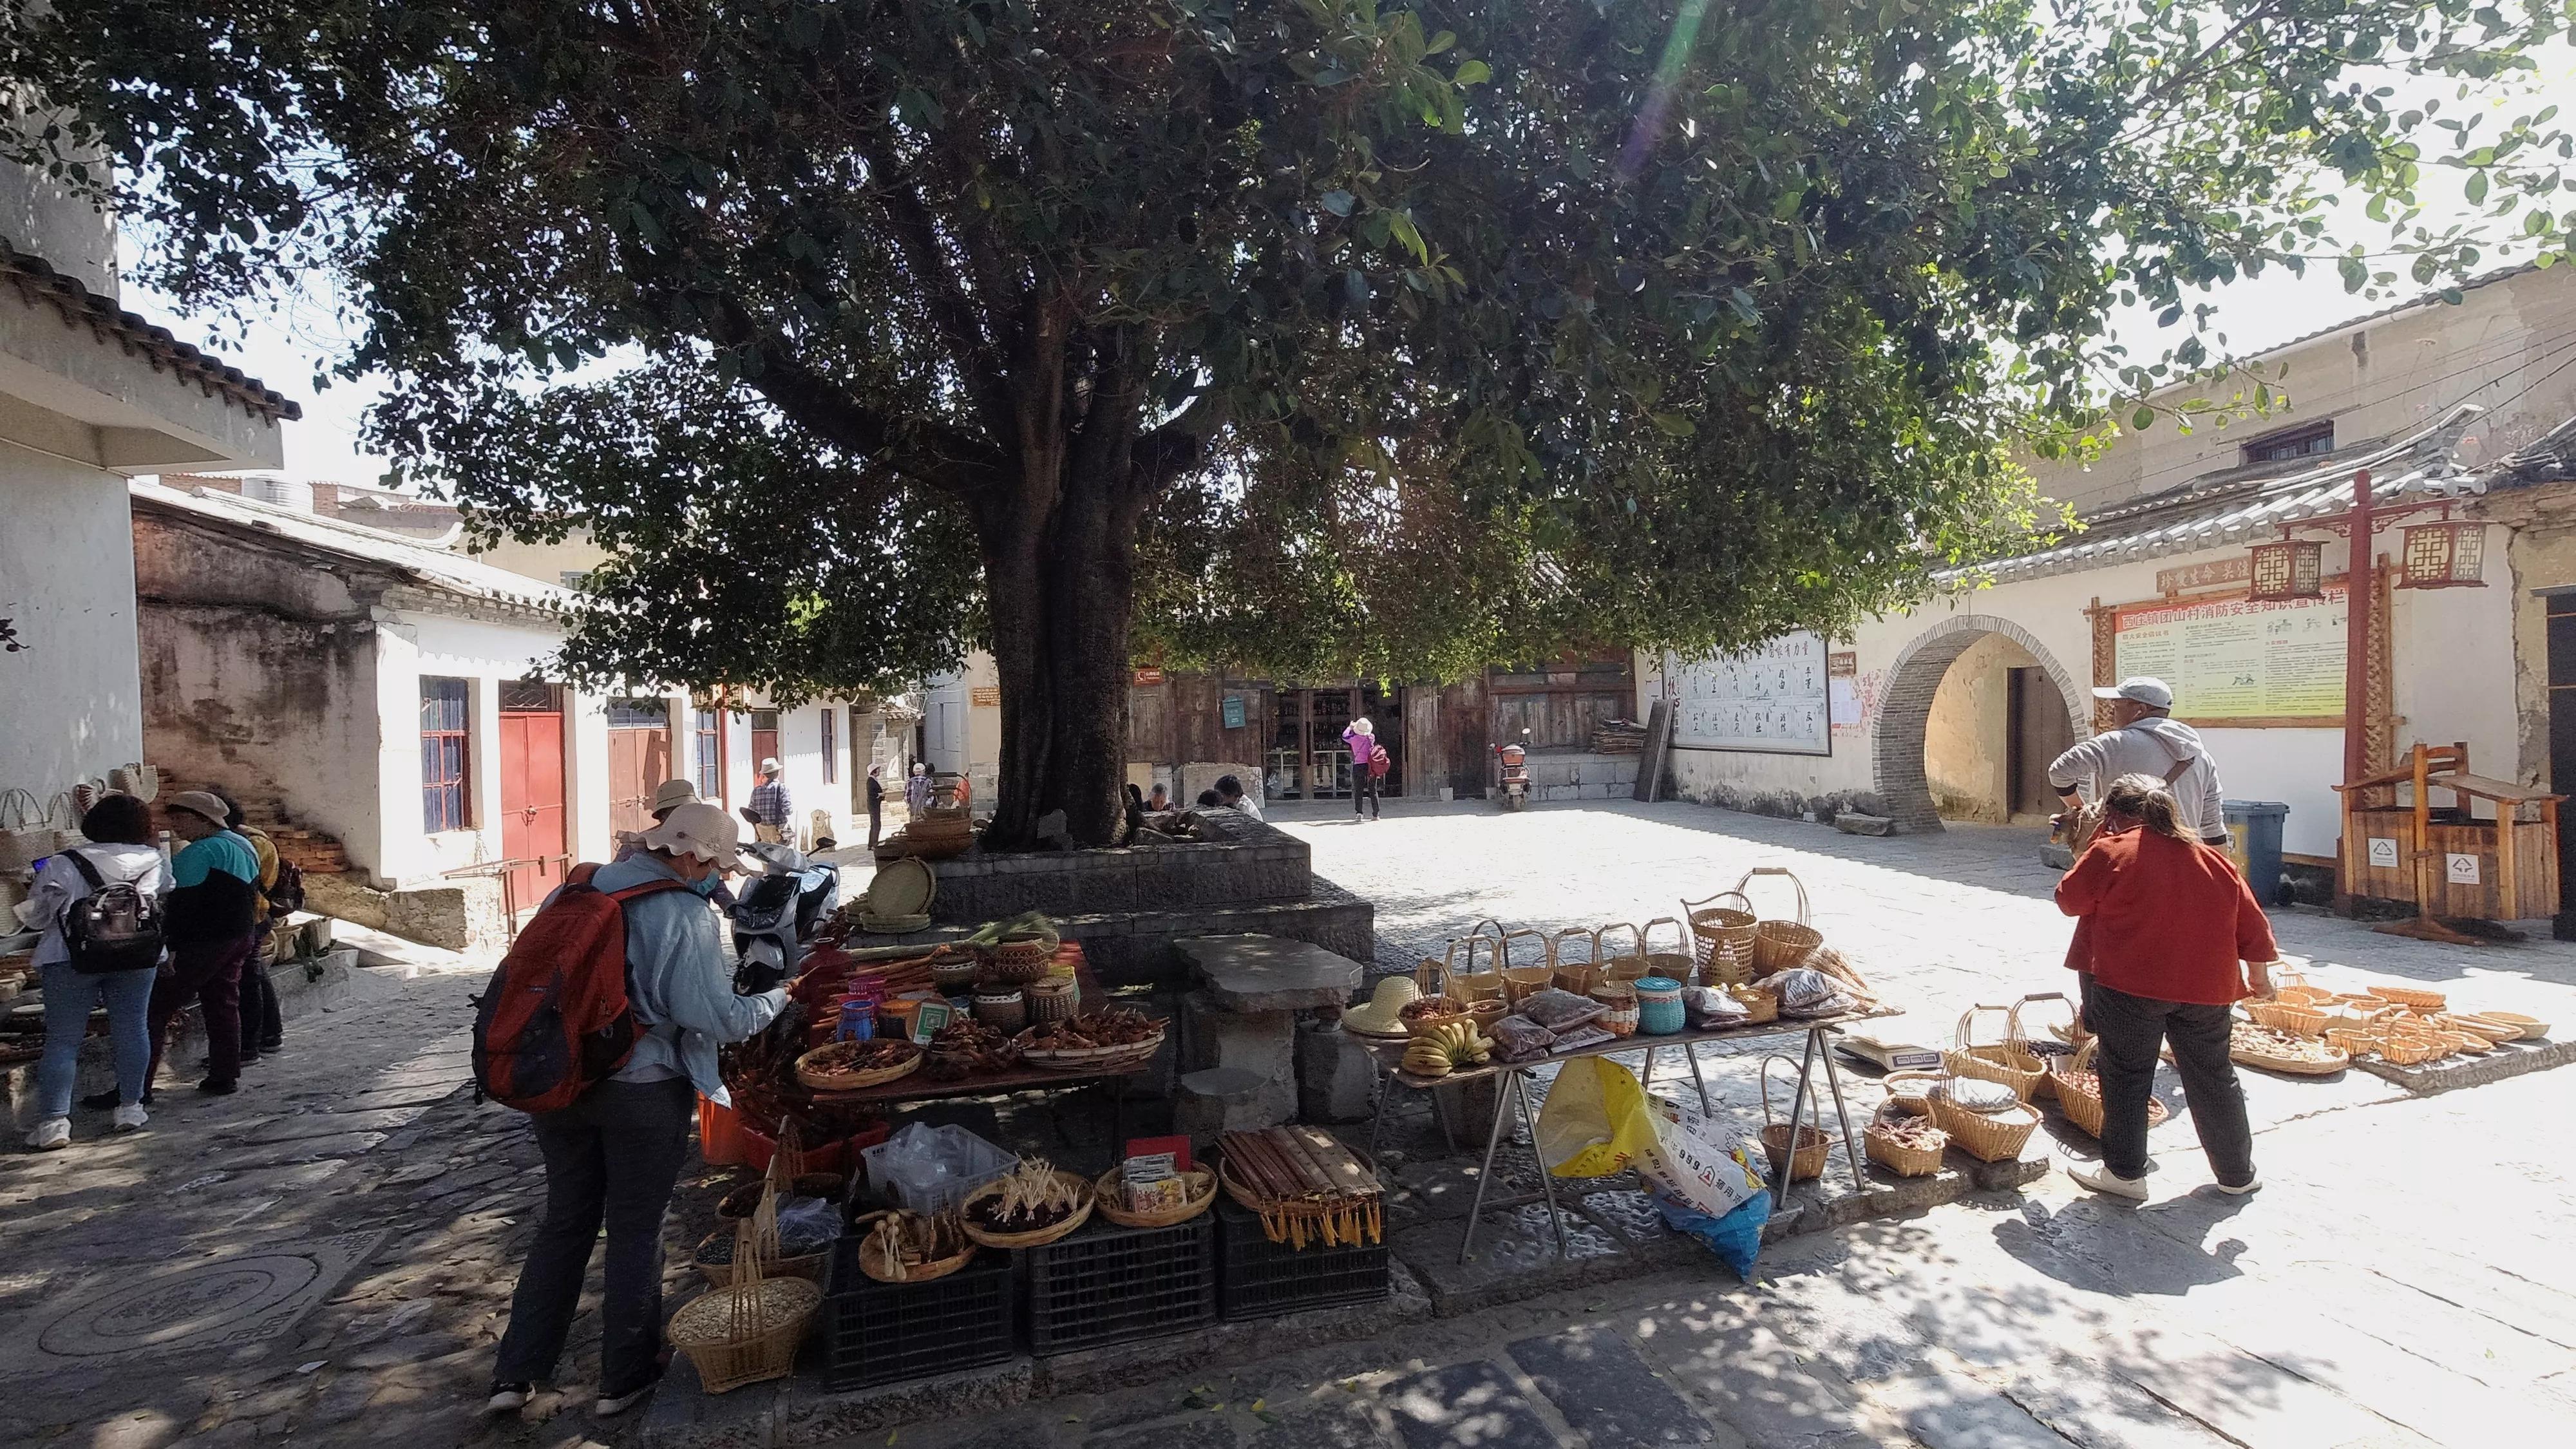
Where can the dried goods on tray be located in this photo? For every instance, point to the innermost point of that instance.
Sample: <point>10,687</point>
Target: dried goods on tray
<point>1304,1185</point>
<point>1092,1041</point>
<point>906,1247</point>
<point>964,1049</point>
<point>844,1066</point>
<point>1027,1207</point>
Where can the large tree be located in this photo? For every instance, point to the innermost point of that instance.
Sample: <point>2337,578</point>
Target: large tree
<point>1315,336</point>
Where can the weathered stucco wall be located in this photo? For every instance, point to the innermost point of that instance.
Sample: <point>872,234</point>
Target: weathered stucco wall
<point>1965,751</point>
<point>70,694</point>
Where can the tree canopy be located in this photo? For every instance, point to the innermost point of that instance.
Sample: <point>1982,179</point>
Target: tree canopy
<point>1316,337</point>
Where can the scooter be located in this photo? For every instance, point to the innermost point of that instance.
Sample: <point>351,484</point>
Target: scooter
<point>778,912</point>
<point>1515,785</point>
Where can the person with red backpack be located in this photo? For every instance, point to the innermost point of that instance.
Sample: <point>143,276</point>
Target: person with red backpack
<point>603,1023</point>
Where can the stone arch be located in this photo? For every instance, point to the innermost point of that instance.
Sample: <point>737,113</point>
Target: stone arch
<point>1905,709</point>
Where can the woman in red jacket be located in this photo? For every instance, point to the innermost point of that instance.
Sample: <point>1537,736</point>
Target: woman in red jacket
<point>2168,939</point>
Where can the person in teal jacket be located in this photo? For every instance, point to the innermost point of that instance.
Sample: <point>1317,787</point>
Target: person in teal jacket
<point>211,923</point>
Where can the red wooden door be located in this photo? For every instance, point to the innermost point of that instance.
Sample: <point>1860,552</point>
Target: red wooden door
<point>532,801</point>
<point>639,760</point>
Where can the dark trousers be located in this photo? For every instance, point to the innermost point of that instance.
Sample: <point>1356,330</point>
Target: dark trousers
<point>876,821</point>
<point>210,974</point>
<point>2129,1030</point>
<point>1364,787</point>
<point>611,1157</point>
<point>263,1027</point>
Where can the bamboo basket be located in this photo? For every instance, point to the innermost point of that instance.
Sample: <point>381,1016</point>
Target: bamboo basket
<point>1987,1137</point>
<point>872,1258</point>
<point>1104,1192</point>
<point>749,1331</point>
<point>1460,978</point>
<point>819,1081</point>
<point>1722,937</point>
<point>1520,983</point>
<point>2003,1062</point>
<point>2247,1056</point>
<point>1575,976</point>
<point>2475,1025</point>
<point>1897,1157</point>
<point>1629,965</point>
<point>1779,945</point>
<point>1624,1013</point>
<point>1760,1003</point>
<point>2283,1016</point>
<point>1808,1161</point>
<point>2410,1047</point>
<point>2020,1039</point>
<point>2291,985</point>
<point>1674,965</point>
<point>1084,1199</point>
<point>2409,996</point>
<point>2531,1028</point>
<point>2354,1041</point>
<point>2083,1104</point>
<point>1911,1104</point>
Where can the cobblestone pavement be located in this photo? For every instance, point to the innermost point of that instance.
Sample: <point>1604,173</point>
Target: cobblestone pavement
<point>326,1257</point>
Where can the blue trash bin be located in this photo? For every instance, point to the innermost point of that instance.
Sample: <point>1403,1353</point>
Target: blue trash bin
<point>2254,839</point>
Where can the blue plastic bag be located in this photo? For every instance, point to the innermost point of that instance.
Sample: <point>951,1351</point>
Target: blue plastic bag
<point>1736,1237</point>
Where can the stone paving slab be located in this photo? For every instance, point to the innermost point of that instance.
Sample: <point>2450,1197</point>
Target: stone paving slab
<point>2509,1059</point>
<point>1605,1391</point>
<point>1467,1404</point>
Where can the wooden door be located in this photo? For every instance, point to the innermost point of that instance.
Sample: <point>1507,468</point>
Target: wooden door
<point>764,738</point>
<point>639,760</point>
<point>532,801</point>
<point>2562,741</point>
<point>2037,733</point>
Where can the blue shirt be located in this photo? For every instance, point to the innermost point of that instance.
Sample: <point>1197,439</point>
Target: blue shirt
<point>679,981</point>
<point>221,851</point>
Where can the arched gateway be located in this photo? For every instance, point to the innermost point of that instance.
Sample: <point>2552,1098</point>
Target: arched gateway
<point>1905,708</point>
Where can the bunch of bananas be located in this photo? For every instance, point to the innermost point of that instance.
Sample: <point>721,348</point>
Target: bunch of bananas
<point>1447,1047</point>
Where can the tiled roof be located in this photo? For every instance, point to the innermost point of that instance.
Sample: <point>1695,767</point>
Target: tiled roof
<point>426,566</point>
<point>2249,510</point>
<point>36,281</point>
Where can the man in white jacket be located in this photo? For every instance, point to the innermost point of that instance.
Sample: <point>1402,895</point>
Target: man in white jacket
<point>2144,739</point>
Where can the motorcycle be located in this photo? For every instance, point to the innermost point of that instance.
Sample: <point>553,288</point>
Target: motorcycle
<point>778,912</point>
<point>1514,787</point>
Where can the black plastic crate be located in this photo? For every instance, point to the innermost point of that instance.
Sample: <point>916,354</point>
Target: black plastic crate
<point>1107,1284</point>
<point>880,1333</point>
<point>1262,1279</point>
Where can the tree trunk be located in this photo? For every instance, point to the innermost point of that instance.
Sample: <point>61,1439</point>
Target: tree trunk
<point>1059,584</point>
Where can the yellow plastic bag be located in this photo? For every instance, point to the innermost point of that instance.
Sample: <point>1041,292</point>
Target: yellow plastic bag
<point>1596,1121</point>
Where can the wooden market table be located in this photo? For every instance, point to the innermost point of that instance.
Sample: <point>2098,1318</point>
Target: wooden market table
<point>1513,1095</point>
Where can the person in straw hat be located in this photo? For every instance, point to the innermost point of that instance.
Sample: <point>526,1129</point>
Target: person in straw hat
<point>1361,739</point>
<point>210,926</point>
<point>613,1156</point>
<point>771,813</point>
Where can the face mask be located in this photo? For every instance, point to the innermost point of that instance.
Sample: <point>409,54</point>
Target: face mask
<point>706,887</point>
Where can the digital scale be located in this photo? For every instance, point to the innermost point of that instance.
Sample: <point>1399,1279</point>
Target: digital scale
<point>1887,1055</point>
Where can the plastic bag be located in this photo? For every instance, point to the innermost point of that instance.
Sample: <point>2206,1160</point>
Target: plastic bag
<point>1596,1120</point>
<point>1698,1160</point>
<point>1556,1010</point>
<point>1710,1007</point>
<point>1802,987</point>
<point>1736,1237</point>
<point>1519,1039</point>
<point>806,1226</point>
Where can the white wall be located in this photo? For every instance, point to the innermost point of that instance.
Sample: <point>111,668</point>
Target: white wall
<point>2452,662</point>
<point>71,702</point>
<point>485,655</point>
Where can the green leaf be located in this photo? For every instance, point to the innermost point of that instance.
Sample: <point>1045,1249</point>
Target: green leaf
<point>1472,72</point>
<point>2476,188</point>
<point>1440,42</point>
<point>1674,425</point>
<point>2143,419</point>
<point>1337,202</point>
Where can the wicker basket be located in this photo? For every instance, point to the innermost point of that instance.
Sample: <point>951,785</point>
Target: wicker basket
<point>1722,937</point>
<point>2409,996</point>
<point>1051,1002</point>
<point>1628,965</point>
<point>2410,1047</point>
<point>2492,1030</point>
<point>1520,982</point>
<point>872,1259</point>
<point>1903,1159</point>
<point>820,1081</point>
<point>2017,1037</point>
<point>2003,1061</point>
<point>1575,976</point>
<point>1017,963</point>
<point>749,1331</point>
<point>1677,964</point>
<point>1985,1136</point>
<point>1087,1060</point>
<point>1809,1159</point>
<point>1760,1003</point>
<point>2082,1101</point>
<point>1623,1014</point>
<point>1460,977</point>
<point>1004,1011</point>
<point>2296,1020</point>
<point>2530,1028</point>
<point>1104,1192</point>
<point>810,1268</point>
<point>1083,1201</point>
<point>1779,944</point>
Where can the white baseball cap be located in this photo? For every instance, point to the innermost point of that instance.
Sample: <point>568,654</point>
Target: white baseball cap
<point>2143,689</point>
<point>697,828</point>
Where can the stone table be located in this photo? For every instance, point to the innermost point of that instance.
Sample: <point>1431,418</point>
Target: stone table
<point>1242,1017</point>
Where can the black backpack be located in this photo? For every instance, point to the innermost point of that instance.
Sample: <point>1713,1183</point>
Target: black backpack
<point>286,893</point>
<point>116,927</point>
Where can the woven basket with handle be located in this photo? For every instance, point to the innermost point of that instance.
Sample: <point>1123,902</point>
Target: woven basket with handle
<point>1722,937</point>
<point>1809,1159</point>
<point>1902,1158</point>
<point>1623,965</point>
<point>1780,944</point>
<point>747,1332</point>
<point>2000,1061</point>
<point>1473,970</point>
<point>1525,979</point>
<point>1575,976</point>
<point>2079,1094</point>
<point>1985,1136</point>
<point>2018,1036</point>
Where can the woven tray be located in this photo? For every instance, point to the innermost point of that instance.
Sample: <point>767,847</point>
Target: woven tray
<point>1104,1192</point>
<point>1083,1201</point>
<point>816,1081</point>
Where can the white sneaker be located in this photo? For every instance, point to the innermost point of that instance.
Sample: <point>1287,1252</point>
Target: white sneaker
<point>50,1136</point>
<point>2248,1186</point>
<point>2103,1180</point>
<point>507,1398</point>
<point>130,1117</point>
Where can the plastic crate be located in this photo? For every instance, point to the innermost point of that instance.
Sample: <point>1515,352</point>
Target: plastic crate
<point>881,1333</point>
<point>1109,1285</point>
<point>1262,1279</point>
<point>971,1162</point>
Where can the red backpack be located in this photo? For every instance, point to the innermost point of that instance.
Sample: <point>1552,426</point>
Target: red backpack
<point>556,1019</point>
<point>1379,762</point>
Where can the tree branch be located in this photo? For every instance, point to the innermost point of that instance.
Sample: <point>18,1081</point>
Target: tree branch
<point>973,345</point>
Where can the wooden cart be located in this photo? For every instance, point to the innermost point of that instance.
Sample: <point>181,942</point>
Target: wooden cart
<point>2399,846</point>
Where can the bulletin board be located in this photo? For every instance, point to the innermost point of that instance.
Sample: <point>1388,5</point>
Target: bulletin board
<point>1773,700</point>
<point>2239,662</point>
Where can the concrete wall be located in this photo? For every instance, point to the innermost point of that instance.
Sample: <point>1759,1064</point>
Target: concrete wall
<point>1966,752</point>
<point>2503,348</point>
<point>546,561</point>
<point>74,235</point>
<point>2453,664</point>
<point>963,736</point>
<point>70,693</point>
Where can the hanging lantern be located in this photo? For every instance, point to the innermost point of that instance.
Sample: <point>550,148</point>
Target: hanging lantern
<point>2444,556</point>
<point>2293,569</point>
